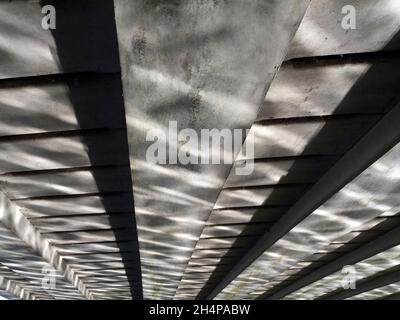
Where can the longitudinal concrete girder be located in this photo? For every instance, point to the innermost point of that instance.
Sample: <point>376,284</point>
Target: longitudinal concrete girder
<point>206,65</point>
<point>64,162</point>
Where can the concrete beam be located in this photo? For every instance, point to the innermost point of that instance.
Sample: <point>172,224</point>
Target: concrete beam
<point>27,240</point>
<point>385,135</point>
<point>366,285</point>
<point>202,64</point>
<point>388,292</point>
<point>382,243</point>
<point>29,50</point>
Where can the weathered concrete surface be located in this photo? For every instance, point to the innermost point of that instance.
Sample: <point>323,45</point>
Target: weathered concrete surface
<point>80,181</point>
<point>26,253</point>
<point>302,130</point>
<point>276,171</point>
<point>373,193</point>
<point>5,295</point>
<point>304,89</point>
<point>45,105</point>
<point>202,64</point>
<point>376,264</point>
<point>379,293</point>
<point>85,204</point>
<point>381,237</point>
<point>26,49</point>
<point>63,143</point>
<point>308,112</point>
<point>321,32</point>
<point>64,166</point>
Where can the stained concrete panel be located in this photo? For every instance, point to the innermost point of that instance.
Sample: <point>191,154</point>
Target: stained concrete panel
<point>321,32</point>
<point>232,230</point>
<point>76,223</point>
<point>245,215</point>
<point>27,266</point>
<point>91,236</point>
<point>67,151</point>
<point>379,293</point>
<point>271,196</point>
<point>371,194</point>
<point>227,242</point>
<point>211,253</point>
<point>51,104</point>
<point>304,89</point>
<point>50,183</point>
<point>26,49</point>
<point>213,74</point>
<point>309,136</point>
<point>88,248</point>
<point>76,205</point>
<point>364,269</point>
<point>282,171</point>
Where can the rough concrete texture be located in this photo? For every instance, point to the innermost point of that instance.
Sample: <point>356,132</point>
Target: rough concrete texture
<point>371,194</point>
<point>321,32</point>
<point>322,101</point>
<point>303,118</point>
<point>366,268</point>
<point>64,152</point>
<point>29,50</point>
<point>205,66</point>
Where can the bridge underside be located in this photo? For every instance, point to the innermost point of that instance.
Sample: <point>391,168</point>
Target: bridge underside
<point>80,202</point>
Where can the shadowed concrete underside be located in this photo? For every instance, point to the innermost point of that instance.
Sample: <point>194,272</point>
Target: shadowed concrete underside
<point>76,191</point>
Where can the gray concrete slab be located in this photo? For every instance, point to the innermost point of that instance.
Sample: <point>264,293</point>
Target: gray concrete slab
<point>41,105</point>
<point>75,205</point>
<point>270,196</point>
<point>196,76</point>
<point>309,136</point>
<point>76,223</point>
<point>276,171</point>
<point>92,236</point>
<point>46,153</point>
<point>304,88</point>
<point>371,194</point>
<point>29,50</point>
<point>245,215</point>
<point>321,32</point>
<point>74,182</point>
<point>232,230</point>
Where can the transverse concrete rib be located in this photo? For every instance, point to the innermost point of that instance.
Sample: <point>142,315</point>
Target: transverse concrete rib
<point>374,284</point>
<point>330,286</point>
<point>385,134</point>
<point>382,243</point>
<point>19,249</point>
